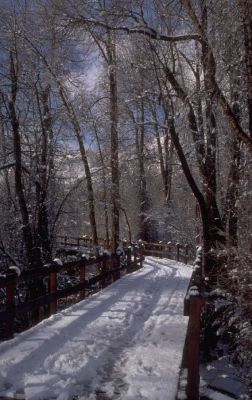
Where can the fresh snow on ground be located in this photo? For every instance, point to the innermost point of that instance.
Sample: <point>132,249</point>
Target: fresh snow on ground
<point>125,342</point>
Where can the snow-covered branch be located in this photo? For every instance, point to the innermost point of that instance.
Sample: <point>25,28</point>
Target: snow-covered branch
<point>139,29</point>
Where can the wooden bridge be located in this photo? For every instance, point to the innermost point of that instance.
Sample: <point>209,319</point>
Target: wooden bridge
<point>175,251</point>
<point>91,275</point>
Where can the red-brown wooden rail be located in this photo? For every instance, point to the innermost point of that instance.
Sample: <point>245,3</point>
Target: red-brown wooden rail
<point>192,307</point>
<point>177,251</point>
<point>110,268</point>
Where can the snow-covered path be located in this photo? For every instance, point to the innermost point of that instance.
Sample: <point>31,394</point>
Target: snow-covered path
<point>125,342</point>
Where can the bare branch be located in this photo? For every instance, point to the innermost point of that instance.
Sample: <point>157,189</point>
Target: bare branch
<point>142,30</point>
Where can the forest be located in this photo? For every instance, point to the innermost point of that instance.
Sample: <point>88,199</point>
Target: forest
<point>130,120</point>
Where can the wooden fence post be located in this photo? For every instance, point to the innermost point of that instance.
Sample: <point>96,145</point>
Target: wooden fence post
<point>135,258</point>
<point>53,289</point>
<point>116,265</point>
<point>10,304</point>
<point>177,251</point>
<point>161,251</point>
<point>128,258</point>
<point>104,269</point>
<point>186,253</point>
<point>169,250</point>
<point>82,272</point>
<point>141,255</point>
<point>193,348</point>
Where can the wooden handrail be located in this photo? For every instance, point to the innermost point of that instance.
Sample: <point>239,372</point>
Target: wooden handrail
<point>169,250</point>
<point>193,302</point>
<point>111,267</point>
<point>102,240</point>
<point>181,251</point>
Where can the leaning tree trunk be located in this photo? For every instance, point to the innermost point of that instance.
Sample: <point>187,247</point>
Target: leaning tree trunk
<point>144,227</point>
<point>165,155</point>
<point>231,119</point>
<point>78,135</point>
<point>209,175</point>
<point>104,187</point>
<point>246,11</point>
<point>114,161</point>
<point>209,240</point>
<point>231,210</point>
<point>212,224</point>
<point>77,131</point>
<point>168,156</point>
<point>44,171</point>
<point>26,227</point>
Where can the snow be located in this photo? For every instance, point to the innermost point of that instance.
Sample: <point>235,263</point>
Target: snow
<point>58,261</point>
<point>15,269</point>
<point>213,395</point>
<point>221,380</point>
<point>119,251</point>
<point>124,342</point>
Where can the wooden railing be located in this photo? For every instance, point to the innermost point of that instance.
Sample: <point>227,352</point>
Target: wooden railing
<point>74,241</point>
<point>108,269</point>
<point>193,302</point>
<point>175,251</point>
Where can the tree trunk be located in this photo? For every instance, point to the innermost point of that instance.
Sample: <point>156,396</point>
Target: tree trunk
<point>215,89</point>
<point>104,187</point>
<point>209,175</point>
<point>168,152</point>
<point>212,232</point>
<point>44,171</point>
<point>209,238</point>
<point>231,211</point>
<point>144,228</point>
<point>77,131</point>
<point>114,161</point>
<point>206,161</point>
<point>165,155</point>
<point>26,227</point>
<point>246,11</point>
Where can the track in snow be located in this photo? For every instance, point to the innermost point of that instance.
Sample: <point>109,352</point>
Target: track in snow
<point>125,342</point>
